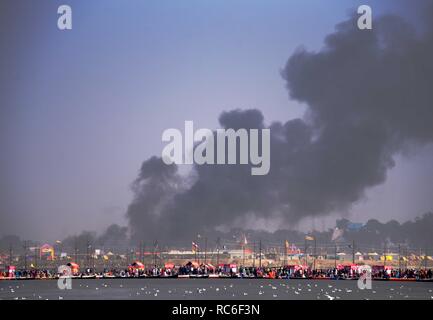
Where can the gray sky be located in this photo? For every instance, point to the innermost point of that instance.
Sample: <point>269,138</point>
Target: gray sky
<point>80,110</point>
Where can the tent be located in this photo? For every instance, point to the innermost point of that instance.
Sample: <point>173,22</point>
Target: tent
<point>136,266</point>
<point>169,266</point>
<point>354,267</point>
<point>359,256</point>
<point>193,264</point>
<point>11,271</point>
<point>300,267</point>
<point>387,257</point>
<point>228,267</point>
<point>75,268</point>
<point>46,251</point>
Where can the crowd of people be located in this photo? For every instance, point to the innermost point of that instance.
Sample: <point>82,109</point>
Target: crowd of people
<point>194,270</point>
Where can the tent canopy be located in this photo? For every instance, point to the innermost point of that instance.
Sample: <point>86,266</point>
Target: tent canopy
<point>193,264</point>
<point>73,265</point>
<point>137,264</point>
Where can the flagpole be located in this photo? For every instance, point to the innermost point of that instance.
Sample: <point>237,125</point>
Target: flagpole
<point>315,252</point>
<point>10,254</point>
<point>198,250</point>
<point>25,255</point>
<point>75,249</point>
<point>260,257</point>
<point>155,244</point>
<point>218,251</point>
<point>305,252</point>
<point>399,259</point>
<point>205,250</point>
<point>141,251</point>
<point>36,256</point>
<point>335,257</point>
<point>243,255</point>
<point>254,254</point>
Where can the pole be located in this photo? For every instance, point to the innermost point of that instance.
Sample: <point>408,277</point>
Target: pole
<point>420,258</point>
<point>399,259</point>
<point>425,259</point>
<point>144,250</point>
<point>87,253</point>
<point>353,251</point>
<point>25,255</point>
<point>205,250</point>
<point>218,251</point>
<point>335,256</point>
<point>155,243</point>
<point>75,250</point>
<point>141,251</point>
<point>61,249</point>
<point>36,256</point>
<point>10,254</point>
<point>305,252</point>
<point>243,254</point>
<point>254,253</point>
<point>260,256</point>
<point>315,254</point>
<point>384,256</point>
<point>198,250</point>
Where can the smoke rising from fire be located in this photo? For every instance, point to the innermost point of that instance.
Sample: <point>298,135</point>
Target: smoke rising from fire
<point>368,96</point>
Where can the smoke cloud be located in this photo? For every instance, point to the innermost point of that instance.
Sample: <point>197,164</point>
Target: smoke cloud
<point>368,96</point>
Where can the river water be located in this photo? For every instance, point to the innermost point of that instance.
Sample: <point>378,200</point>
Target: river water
<point>212,289</point>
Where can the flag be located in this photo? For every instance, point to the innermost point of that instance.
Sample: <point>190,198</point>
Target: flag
<point>194,247</point>
<point>309,238</point>
<point>245,241</point>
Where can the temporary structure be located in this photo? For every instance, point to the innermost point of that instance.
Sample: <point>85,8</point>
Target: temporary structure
<point>75,268</point>
<point>136,266</point>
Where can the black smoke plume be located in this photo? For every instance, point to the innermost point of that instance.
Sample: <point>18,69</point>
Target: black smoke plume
<point>368,96</point>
